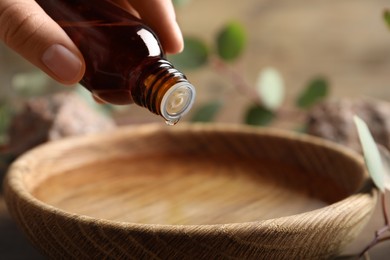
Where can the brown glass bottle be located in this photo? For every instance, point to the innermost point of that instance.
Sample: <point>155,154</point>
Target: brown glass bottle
<point>124,60</point>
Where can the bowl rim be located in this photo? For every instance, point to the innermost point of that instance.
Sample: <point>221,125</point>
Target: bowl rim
<point>14,186</point>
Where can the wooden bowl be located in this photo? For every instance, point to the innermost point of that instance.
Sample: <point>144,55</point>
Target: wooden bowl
<point>190,192</point>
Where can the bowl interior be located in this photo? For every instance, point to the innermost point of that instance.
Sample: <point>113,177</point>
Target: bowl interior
<point>189,175</point>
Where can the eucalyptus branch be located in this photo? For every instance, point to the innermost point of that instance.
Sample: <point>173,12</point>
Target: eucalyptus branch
<point>292,114</point>
<point>384,210</point>
<point>377,238</point>
<point>238,81</point>
<point>384,239</point>
<point>366,256</point>
<point>249,91</point>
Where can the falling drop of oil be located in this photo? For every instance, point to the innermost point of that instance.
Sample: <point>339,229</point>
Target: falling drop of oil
<point>172,122</point>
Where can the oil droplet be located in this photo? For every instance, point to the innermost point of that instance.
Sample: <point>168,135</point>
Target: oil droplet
<point>172,121</point>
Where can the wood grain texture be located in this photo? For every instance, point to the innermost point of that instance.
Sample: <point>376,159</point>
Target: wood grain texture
<point>190,192</point>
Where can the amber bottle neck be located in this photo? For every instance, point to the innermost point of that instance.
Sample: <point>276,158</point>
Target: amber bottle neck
<point>164,90</point>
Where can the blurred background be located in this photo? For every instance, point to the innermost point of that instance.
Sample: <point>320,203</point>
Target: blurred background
<point>307,50</point>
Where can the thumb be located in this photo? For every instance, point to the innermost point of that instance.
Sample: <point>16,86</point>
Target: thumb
<point>28,30</point>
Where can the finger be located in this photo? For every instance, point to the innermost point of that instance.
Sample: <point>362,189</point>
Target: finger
<point>160,16</point>
<point>27,29</point>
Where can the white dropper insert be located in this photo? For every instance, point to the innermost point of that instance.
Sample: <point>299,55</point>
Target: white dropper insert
<point>177,101</point>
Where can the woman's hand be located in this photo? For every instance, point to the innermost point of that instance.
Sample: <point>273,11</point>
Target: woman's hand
<point>26,28</point>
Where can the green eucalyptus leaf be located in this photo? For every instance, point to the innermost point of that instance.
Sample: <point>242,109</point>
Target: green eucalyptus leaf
<point>386,17</point>
<point>194,55</point>
<point>259,116</point>
<point>270,87</point>
<point>314,92</point>
<point>371,154</point>
<point>207,112</point>
<point>385,158</point>
<point>231,41</point>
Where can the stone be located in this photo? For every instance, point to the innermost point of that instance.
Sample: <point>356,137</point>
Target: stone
<point>333,120</point>
<point>54,117</point>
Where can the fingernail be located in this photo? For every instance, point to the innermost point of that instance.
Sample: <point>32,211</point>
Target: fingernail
<point>62,62</point>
